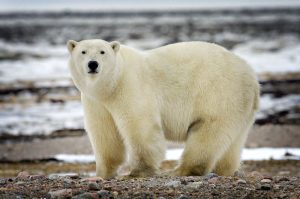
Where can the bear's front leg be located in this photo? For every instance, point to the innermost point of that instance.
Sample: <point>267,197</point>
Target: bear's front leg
<point>145,143</point>
<point>106,141</point>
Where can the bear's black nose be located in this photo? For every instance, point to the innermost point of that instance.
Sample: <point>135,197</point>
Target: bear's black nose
<point>93,65</point>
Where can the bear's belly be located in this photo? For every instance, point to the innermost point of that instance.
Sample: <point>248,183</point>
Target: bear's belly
<point>175,128</point>
<point>176,116</point>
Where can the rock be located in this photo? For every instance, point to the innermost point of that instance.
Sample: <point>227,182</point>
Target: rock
<point>183,197</point>
<point>73,175</point>
<point>283,195</point>
<point>213,180</point>
<point>241,181</point>
<point>54,176</point>
<point>10,179</point>
<point>68,183</point>
<point>94,186</point>
<point>284,173</point>
<point>92,179</point>
<point>239,174</point>
<point>277,187</point>
<point>3,181</point>
<point>268,177</point>
<point>37,177</point>
<point>214,192</point>
<point>266,186</point>
<point>86,196</point>
<point>23,175</point>
<point>210,175</point>
<point>170,191</point>
<point>62,193</point>
<point>294,178</point>
<point>104,194</point>
<point>194,185</point>
<point>266,181</point>
<point>281,179</point>
<point>256,174</point>
<point>20,183</point>
<point>115,194</point>
<point>173,184</point>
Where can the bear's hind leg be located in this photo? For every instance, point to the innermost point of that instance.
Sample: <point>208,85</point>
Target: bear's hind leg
<point>230,161</point>
<point>204,146</point>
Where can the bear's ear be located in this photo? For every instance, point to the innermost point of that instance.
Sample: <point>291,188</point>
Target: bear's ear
<point>115,45</point>
<point>71,44</point>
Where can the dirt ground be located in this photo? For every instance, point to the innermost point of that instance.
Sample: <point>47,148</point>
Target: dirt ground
<point>37,149</point>
<point>257,179</point>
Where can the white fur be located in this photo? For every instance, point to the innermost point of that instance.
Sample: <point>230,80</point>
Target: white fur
<point>193,92</point>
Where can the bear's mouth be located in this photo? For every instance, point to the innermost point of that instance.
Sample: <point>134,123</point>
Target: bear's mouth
<point>93,72</point>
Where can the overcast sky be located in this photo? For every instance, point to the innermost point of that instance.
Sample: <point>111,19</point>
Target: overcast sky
<point>9,5</point>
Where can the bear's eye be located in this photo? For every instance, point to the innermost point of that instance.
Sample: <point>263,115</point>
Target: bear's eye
<point>83,52</point>
<point>102,52</point>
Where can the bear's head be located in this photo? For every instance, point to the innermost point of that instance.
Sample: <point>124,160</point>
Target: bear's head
<point>93,65</point>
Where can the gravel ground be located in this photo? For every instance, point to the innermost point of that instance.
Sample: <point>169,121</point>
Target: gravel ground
<point>257,179</point>
<point>253,185</point>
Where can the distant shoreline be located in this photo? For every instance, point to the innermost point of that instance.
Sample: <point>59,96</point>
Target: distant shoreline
<point>169,11</point>
<point>143,9</point>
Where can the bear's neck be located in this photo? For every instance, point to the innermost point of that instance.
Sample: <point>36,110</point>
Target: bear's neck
<point>108,91</point>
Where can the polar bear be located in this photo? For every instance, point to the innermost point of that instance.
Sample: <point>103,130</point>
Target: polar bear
<point>193,92</point>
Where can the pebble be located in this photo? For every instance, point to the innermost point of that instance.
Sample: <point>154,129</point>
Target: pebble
<point>277,187</point>
<point>266,181</point>
<point>268,177</point>
<point>86,196</point>
<point>210,175</point>
<point>92,179</point>
<point>241,181</point>
<point>183,197</point>
<point>194,185</point>
<point>62,193</point>
<point>281,179</point>
<point>37,177</point>
<point>103,193</point>
<point>115,193</point>
<point>10,179</point>
<point>68,183</point>
<point>256,174</point>
<point>94,186</point>
<point>23,175</point>
<point>173,184</point>
<point>54,176</point>
<point>213,180</point>
<point>73,175</point>
<point>294,178</point>
<point>266,187</point>
<point>20,183</point>
<point>283,195</point>
<point>2,181</point>
<point>214,192</point>
<point>284,173</point>
<point>239,174</point>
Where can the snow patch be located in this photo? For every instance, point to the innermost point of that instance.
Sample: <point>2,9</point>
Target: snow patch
<point>40,119</point>
<point>174,154</point>
<point>280,55</point>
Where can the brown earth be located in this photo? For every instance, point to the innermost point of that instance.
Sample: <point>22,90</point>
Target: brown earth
<point>260,136</point>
